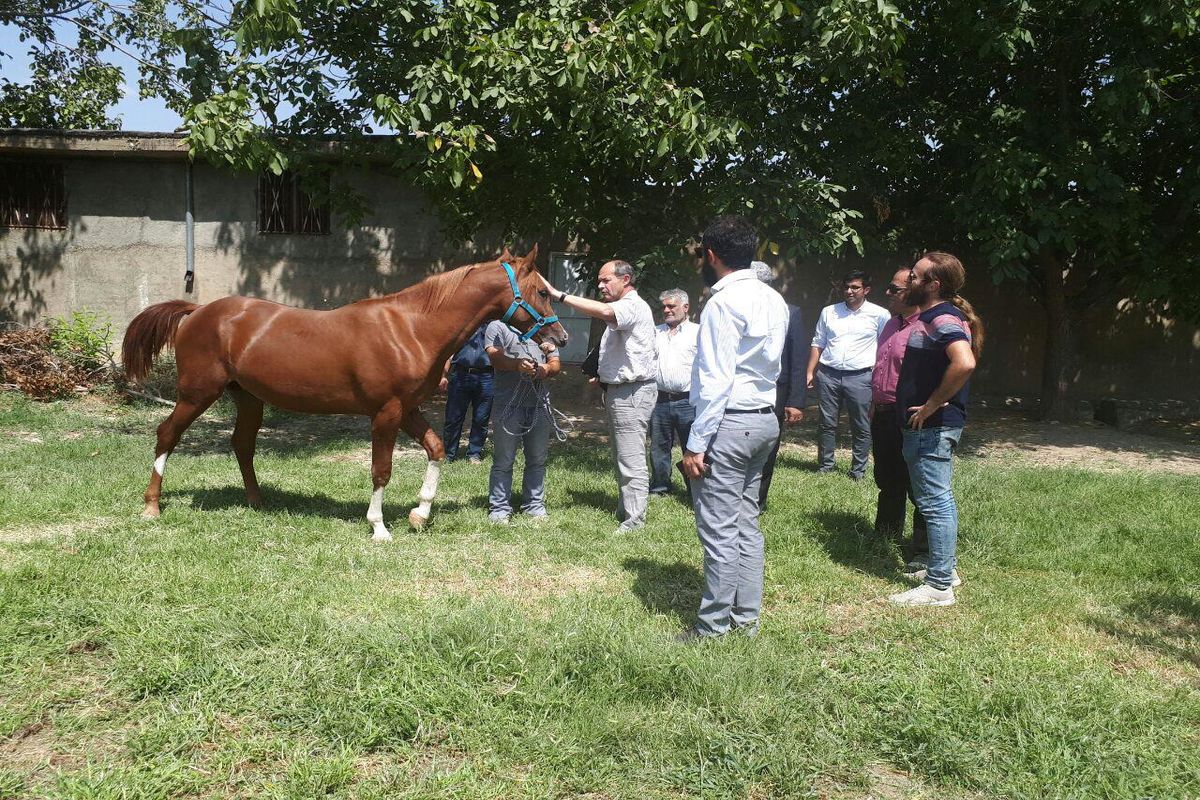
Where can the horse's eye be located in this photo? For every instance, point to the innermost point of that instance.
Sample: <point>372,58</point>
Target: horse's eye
<point>543,293</point>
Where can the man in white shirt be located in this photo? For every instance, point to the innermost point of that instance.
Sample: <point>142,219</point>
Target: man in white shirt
<point>742,331</point>
<point>673,413</point>
<point>842,356</point>
<point>627,370</point>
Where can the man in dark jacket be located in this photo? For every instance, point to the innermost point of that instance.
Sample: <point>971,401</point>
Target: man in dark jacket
<point>790,390</point>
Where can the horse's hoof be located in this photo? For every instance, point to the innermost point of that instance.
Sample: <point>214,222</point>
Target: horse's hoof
<point>381,536</point>
<point>416,521</point>
<point>150,512</point>
<point>255,502</point>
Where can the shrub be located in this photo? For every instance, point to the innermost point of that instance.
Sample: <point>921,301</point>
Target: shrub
<point>82,339</point>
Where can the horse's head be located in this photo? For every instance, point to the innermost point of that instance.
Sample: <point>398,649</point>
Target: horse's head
<point>533,293</point>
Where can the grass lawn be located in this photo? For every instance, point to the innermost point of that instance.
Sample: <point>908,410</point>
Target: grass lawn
<point>224,652</point>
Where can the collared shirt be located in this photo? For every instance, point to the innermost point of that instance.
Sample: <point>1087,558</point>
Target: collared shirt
<point>847,338</point>
<point>504,385</point>
<point>893,341</point>
<point>471,354</point>
<point>627,346</point>
<point>742,329</point>
<point>676,352</point>
<point>925,364</point>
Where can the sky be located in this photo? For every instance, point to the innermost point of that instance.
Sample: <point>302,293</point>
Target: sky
<point>135,114</point>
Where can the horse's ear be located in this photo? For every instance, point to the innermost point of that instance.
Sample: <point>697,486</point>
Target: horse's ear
<point>505,255</point>
<point>531,256</point>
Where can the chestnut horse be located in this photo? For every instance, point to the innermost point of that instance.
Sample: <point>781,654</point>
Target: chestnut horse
<point>379,357</point>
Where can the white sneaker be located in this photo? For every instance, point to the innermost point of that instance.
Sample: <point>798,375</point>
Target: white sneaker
<point>919,575</point>
<point>499,517</point>
<point>924,595</point>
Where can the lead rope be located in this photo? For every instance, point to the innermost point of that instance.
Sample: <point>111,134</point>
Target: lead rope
<point>534,389</point>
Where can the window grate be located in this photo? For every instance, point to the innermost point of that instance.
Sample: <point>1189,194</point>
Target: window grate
<point>284,207</point>
<point>32,195</point>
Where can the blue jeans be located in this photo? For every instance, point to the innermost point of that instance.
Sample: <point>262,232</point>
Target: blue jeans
<point>529,427</point>
<point>669,419</point>
<point>929,454</point>
<point>467,389</point>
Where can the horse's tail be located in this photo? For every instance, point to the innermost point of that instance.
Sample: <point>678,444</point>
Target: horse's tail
<point>149,333</point>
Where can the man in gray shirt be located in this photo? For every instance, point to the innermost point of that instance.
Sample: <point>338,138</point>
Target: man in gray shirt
<point>627,368</point>
<point>520,416</point>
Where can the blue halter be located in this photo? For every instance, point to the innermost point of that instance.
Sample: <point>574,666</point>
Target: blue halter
<point>519,302</point>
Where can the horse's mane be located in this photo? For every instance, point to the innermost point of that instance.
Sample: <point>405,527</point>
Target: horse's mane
<point>434,291</point>
<point>439,288</point>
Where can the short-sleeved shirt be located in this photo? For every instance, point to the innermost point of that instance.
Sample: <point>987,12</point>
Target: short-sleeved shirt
<point>925,363</point>
<point>847,338</point>
<point>471,355</point>
<point>893,341</point>
<point>676,352</point>
<point>627,351</point>
<point>506,382</point>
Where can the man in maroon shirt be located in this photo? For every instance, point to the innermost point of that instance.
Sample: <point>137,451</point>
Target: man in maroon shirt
<point>891,473</point>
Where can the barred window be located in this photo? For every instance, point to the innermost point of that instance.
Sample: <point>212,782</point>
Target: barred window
<point>284,207</point>
<point>32,195</point>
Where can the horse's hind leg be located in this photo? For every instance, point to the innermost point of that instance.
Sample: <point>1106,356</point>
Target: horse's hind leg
<point>384,426</point>
<point>416,426</point>
<point>191,404</point>
<point>245,434</point>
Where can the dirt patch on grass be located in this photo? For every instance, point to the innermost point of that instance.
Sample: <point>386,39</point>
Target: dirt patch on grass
<point>27,534</point>
<point>512,580</point>
<point>1016,437</point>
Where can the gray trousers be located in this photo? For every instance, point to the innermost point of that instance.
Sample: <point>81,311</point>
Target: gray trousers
<point>853,390</point>
<point>727,521</point>
<point>629,406</point>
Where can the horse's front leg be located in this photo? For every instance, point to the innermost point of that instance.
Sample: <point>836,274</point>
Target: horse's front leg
<point>416,426</point>
<point>383,441</point>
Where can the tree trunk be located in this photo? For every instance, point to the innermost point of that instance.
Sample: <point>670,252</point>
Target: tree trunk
<point>1061,354</point>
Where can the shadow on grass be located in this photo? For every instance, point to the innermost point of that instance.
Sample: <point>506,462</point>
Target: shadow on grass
<point>794,460</point>
<point>593,498</point>
<point>315,505</point>
<point>671,589</point>
<point>850,540</point>
<point>1163,620</point>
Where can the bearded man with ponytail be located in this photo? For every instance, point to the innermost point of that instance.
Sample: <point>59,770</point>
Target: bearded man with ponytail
<point>931,395</point>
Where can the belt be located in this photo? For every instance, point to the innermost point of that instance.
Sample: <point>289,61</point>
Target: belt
<point>846,371</point>
<point>765,410</point>
<point>670,397</point>
<point>475,370</point>
<point>884,406</point>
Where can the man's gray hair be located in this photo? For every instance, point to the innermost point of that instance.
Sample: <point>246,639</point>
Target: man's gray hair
<point>678,295</point>
<point>762,271</point>
<point>624,268</point>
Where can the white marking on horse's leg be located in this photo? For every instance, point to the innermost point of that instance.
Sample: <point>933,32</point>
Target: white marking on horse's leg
<point>160,464</point>
<point>418,516</point>
<point>375,517</point>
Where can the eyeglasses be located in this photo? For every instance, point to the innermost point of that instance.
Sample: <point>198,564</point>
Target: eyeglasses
<point>894,289</point>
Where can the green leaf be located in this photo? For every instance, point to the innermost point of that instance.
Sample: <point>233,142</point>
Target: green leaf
<point>693,10</point>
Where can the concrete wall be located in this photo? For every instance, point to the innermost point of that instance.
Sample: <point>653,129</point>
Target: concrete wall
<point>123,249</point>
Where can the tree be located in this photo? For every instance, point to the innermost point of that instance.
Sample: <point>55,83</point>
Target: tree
<point>70,43</point>
<point>626,125</point>
<point>1055,143</point>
